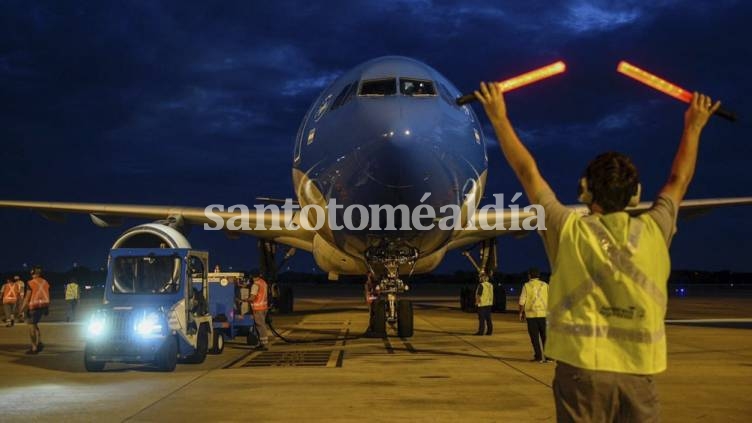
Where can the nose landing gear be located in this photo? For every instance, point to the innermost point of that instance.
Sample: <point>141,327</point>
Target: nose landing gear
<point>387,309</point>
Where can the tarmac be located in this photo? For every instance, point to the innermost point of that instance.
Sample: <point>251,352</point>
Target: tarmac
<point>442,373</point>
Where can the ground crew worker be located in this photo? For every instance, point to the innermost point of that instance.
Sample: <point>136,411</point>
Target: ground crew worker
<point>608,289</point>
<point>71,299</point>
<point>533,305</point>
<point>10,300</point>
<point>37,302</point>
<point>21,291</point>
<point>260,306</point>
<point>484,298</point>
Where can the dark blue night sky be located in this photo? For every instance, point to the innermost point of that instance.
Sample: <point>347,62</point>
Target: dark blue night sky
<point>174,103</point>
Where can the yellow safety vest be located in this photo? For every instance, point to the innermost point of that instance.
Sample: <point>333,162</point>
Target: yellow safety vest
<point>607,299</point>
<point>71,291</point>
<point>536,298</point>
<point>486,297</point>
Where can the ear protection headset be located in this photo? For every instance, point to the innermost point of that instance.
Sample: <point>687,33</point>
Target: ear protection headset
<point>586,197</point>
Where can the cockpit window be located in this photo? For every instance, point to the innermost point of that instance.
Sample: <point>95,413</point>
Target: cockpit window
<point>447,95</point>
<point>379,87</point>
<point>416,87</point>
<point>345,95</point>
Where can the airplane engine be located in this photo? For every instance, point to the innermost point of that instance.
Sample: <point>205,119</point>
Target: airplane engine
<point>151,235</point>
<point>334,261</point>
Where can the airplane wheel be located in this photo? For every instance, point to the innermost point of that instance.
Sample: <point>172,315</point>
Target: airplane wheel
<point>500,299</point>
<point>467,300</point>
<point>378,318</point>
<point>91,365</point>
<point>288,299</point>
<point>284,300</point>
<point>405,318</point>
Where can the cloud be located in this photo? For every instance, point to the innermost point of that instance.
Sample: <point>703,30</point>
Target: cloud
<point>302,85</point>
<point>589,16</point>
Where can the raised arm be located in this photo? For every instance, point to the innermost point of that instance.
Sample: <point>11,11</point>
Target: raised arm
<point>683,169</point>
<point>519,158</point>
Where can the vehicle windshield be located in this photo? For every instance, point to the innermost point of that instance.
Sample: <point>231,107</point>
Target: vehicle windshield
<point>146,275</point>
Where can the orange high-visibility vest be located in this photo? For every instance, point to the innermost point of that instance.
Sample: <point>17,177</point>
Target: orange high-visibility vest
<point>40,293</point>
<point>10,293</point>
<point>260,303</point>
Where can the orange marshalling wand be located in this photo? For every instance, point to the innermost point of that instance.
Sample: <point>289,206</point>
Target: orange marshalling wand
<point>664,86</point>
<point>522,80</point>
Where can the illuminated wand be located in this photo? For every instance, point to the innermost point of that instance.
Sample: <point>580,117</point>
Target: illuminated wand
<point>665,87</point>
<point>521,80</point>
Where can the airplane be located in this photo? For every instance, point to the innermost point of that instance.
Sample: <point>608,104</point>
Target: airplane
<point>386,132</point>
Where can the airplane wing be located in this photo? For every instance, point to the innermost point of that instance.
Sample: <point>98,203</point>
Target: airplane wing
<point>512,219</point>
<point>107,215</point>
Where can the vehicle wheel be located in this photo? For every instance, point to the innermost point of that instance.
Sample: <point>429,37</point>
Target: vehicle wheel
<point>500,299</point>
<point>405,318</point>
<point>167,358</point>
<point>91,365</point>
<point>218,342</point>
<point>284,300</point>
<point>378,318</point>
<point>202,346</point>
<point>252,338</point>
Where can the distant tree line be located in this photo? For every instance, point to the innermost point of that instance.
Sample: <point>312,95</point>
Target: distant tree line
<point>96,278</point>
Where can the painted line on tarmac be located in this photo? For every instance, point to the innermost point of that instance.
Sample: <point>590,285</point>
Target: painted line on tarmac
<point>167,395</point>
<point>336,357</point>
<point>501,360</point>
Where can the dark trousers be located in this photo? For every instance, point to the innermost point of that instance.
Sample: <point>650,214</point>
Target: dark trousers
<point>536,328</point>
<point>484,319</point>
<point>71,315</point>
<point>583,395</point>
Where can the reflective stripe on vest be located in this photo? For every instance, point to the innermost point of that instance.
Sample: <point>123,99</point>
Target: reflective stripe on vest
<point>40,293</point>
<point>260,303</point>
<point>607,296</point>
<point>486,297</point>
<point>9,293</point>
<point>619,258</point>
<point>536,298</point>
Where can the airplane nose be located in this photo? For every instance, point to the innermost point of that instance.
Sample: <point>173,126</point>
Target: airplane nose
<point>399,159</point>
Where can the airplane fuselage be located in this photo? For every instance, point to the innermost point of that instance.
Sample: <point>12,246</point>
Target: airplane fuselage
<point>387,133</point>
